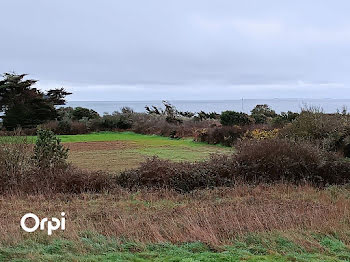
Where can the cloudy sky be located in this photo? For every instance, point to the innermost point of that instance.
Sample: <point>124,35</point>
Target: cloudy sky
<point>183,49</point>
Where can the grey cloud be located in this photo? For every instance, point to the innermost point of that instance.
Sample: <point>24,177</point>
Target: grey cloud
<point>197,47</point>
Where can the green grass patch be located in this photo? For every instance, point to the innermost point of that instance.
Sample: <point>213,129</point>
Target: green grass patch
<point>95,247</point>
<point>137,148</point>
<point>152,140</point>
<point>140,147</point>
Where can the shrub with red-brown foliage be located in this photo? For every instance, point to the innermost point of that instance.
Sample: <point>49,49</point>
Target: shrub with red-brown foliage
<point>225,135</point>
<point>47,181</point>
<point>66,127</point>
<point>271,160</point>
<point>158,125</point>
<point>183,176</point>
<point>257,161</point>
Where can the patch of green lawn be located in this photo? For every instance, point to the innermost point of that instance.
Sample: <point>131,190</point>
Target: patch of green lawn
<point>94,247</point>
<point>180,153</point>
<point>137,148</point>
<point>143,146</point>
<point>146,140</point>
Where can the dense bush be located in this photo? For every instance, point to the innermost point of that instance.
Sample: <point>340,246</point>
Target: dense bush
<point>226,135</point>
<point>262,113</point>
<point>114,121</point>
<point>158,125</point>
<point>20,172</point>
<point>230,118</point>
<point>257,161</point>
<point>330,131</point>
<point>261,134</point>
<point>284,118</point>
<point>273,160</point>
<point>76,114</point>
<point>183,177</point>
<point>48,150</point>
<point>67,127</point>
<point>15,160</point>
<point>81,113</point>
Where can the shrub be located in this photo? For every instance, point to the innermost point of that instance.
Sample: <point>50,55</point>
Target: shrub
<point>48,151</point>
<point>115,121</point>
<point>183,177</point>
<point>203,116</point>
<point>262,113</point>
<point>172,115</point>
<point>257,161</point>
<point>15,160</point>
<point>272,160</point>
<point>263,110</point>
<point>260,118</point>
<point>331,131</point>
<point>66,127</point>
<point>65,180</point>
<point>284,118</point>
<point>261,134</point>
<point>63,127</point>
<point>22,170</point>
<point>80,112</point>
<point>230,118</point>
<point>227,135</point>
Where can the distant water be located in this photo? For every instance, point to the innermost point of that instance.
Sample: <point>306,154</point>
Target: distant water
<point>279,105</point>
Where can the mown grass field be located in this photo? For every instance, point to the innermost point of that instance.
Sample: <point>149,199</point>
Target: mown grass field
<point>118,151</point>
<point>113,151</point>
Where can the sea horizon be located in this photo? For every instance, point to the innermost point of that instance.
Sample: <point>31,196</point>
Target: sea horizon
<point>327,105</point>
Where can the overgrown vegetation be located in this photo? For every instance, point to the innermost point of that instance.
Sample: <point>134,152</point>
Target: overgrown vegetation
<point>266,160</point>
<point>288,173</point>
<point>43,168</point>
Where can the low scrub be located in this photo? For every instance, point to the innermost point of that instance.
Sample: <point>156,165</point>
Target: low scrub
<point>231,118</point>
<point>44,169</point>
<point>226,135</point>
<point>271,160</point>
<point>330,131</point>
<point>257,161</point>
<point>183,176</point>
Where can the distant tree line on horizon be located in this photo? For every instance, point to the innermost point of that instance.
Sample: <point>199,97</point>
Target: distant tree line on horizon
<point>25,106</point>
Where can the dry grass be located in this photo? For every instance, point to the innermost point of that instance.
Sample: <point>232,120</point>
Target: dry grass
<point>214,217</point>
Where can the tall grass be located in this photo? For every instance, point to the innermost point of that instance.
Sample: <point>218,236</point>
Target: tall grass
<point>214,217</point>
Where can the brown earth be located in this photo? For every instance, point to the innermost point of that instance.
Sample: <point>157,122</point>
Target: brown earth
<point>107,145</point>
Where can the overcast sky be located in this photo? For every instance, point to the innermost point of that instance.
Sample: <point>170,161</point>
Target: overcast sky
<point>162,49</point>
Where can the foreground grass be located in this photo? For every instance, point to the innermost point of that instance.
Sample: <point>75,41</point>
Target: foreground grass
<point>213,216</point>
<point>253,247</point>
<point>252,223</point>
